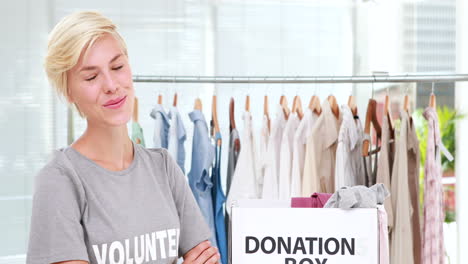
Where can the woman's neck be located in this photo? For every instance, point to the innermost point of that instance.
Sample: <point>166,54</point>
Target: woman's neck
<point>110,147</point>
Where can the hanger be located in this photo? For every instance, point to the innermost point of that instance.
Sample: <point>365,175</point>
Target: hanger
<point>297,107</point>
<point>135,110</point>
<point>432,98</point>
<point>198,104</point>
<point>406,101</point>
<point>388,111</point>
<point>334,106</point>
<point>214,116</point>
<point>371,118</point>
<point>160,99</point>
<point>265,110</point>
<point>232,122</point>
<point>247,103</point>
<point>284,105</point>
<point>314,105</point>
<point>352,105</point>
<point>175,100</point>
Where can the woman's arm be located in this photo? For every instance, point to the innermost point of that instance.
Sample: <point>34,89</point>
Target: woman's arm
<point>201,254</point>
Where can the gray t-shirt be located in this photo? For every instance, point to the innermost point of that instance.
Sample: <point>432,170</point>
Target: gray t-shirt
<point>143,214</point>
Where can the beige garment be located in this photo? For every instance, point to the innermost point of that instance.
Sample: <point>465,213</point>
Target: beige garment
<point>401,245</point>
<point>319,166</point>
<point>413,181</point>
<point>299,149</point>
<point>385,163</point>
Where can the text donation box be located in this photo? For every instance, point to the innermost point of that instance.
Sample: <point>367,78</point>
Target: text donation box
<point>304,236</point>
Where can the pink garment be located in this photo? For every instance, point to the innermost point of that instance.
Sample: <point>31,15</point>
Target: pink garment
<point>384,251</point>
<point>316,200</point>
<point>433,237</point>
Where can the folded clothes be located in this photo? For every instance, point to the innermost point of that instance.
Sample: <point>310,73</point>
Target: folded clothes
<point>358,197</point>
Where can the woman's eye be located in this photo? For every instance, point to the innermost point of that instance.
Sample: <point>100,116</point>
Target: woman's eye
<point>91,78</point>
<point>117,68</point>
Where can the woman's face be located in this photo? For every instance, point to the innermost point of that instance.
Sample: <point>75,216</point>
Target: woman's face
<point>101,84</point>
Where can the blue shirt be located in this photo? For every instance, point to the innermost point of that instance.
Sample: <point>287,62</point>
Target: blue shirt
<point>177,137</point>
<point>161,127</point>
<point>218,203</point>
<point>199,178</point>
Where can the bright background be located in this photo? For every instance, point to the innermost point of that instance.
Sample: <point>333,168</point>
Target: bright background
<point>222,37</point>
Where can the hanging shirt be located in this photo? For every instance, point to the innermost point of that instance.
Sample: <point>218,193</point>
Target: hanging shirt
<point>137,134</point>
<point>299,147</point>
<point>349,169</point>
<point>177,137</point>
<point>262,154</point>
<point>433,232</point>
<point>413,183</point>
<point>371,163</point>
<point>286,156</point>
<point>218,203</point>
<point>161,127</point>
<point>200,182</point>
<point>384,250</point>
<point>402,235</point>
<point>319,167</point>
<point>244,181</point>
<point>232,162</point>
<point>270,179</point>
<point>385,162</point>
<point>233,155</point>
<point>82,211</point>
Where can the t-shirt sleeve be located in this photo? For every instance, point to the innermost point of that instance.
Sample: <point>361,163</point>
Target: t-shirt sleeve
<point>56,232</point>
<point>193,227</point>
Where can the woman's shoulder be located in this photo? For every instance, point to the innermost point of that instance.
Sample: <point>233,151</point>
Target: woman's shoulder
<point>57,181</point>
<point>160,159</point>
<point>57,169</point>
<point>154,154</point>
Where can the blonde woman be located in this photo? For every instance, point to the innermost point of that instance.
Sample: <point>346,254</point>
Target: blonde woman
<point>104,199</point>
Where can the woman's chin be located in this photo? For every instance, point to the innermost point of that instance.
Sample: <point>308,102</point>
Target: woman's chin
<point>118,119</point>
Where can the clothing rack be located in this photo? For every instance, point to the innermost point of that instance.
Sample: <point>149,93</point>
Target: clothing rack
<point>375,78</point>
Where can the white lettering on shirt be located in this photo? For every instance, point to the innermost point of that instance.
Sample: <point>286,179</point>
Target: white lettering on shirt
<point>161,235</point>
<point>144,250</point>
<point>128,260</point>
<point>139,244</point>
<point>171,236</point>
<point>150,246</point>
<point>100,256</point>
<point>116,245</point>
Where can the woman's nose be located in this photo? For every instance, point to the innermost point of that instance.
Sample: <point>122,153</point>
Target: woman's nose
<point>109,85</point>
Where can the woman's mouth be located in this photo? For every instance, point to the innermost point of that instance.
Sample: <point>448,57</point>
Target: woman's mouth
<point>116,103</point>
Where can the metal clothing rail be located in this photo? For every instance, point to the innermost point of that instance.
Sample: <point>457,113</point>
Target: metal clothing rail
<point>377,78</point>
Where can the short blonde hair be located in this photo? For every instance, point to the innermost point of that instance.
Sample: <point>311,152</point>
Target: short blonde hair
<point>71,37</point>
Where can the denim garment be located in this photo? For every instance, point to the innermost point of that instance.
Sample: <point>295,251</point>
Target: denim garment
<point>203,155</point>
<point>177,137</point>
<point>161,127</point>
<point>218,203</point>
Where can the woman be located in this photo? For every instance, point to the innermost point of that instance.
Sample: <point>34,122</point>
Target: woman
<point>104,199</point>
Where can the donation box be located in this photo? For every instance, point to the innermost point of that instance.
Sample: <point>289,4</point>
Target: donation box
<point>304,236</point>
